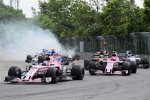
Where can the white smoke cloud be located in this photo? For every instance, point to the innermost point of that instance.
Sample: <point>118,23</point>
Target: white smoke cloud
<point>19,39</point>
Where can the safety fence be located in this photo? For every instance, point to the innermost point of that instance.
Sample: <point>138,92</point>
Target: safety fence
<point>138,43</point>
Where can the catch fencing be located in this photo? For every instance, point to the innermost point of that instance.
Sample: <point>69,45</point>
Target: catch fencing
<point>138,43</point>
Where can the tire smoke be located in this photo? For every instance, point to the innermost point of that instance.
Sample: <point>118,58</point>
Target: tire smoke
<point>20,38</point>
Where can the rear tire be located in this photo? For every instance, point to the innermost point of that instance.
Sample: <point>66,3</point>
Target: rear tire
<point>29,59</point>
<point>77,57</point>
<point>77,72</point>
<point>41,59</point>
<point>51,72</point>
<point>145,62</point>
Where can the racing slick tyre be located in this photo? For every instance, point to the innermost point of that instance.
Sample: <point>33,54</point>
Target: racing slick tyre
<point>15,72</point>
<point>86,64</point>
<point>77,72</point>
<point>41,59</point>
<point>126,71</point>
<point>145,62</point>
<point>29,59</point>
<point>77,57</point>
<point>133,67</point>
<point>92,68</point>
<point>51,72</point>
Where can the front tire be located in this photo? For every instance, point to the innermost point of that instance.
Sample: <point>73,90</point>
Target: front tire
<point>86,64</point>
<point>126,71</point>
<point>133,66</point>
<point>51,72</point>
<point>77,72</point>
<point>15,72</point>
<point>92,68</point>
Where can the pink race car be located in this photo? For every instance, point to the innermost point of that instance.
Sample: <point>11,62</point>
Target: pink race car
<point>51,70</point>
<point>110,66</point>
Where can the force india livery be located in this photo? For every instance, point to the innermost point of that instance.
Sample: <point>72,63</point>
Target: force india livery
<point>51,67</point>
<point>40,57</point>
<point>111,65</point>
<point>52,70</point>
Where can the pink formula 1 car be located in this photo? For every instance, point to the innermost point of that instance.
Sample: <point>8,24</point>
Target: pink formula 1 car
<point>110,66</point>
<point>51,70</point>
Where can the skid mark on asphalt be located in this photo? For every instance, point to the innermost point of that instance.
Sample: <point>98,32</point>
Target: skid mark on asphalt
<point>109,86</point>
<point>114,86</point>
<point>61,93</point>
<point>1,79</point>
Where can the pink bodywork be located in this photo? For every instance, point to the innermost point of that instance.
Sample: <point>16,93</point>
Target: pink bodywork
<point>112,62</point>
<point>114,57</point>
<point>53,62</point>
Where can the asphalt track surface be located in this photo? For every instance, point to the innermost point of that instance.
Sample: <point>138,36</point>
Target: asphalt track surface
<point>100,87</point>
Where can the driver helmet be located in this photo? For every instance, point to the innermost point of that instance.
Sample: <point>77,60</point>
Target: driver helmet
<point>53,51</point>
<point>113,57</point>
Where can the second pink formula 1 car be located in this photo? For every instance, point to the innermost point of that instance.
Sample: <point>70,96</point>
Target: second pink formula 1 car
<point>110,66</point>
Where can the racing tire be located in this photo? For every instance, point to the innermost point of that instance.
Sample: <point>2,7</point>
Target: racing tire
<point>77,57</point>
<point>145,63</point>
<point>29,59</point>
<point>77,72</point>
<point>92,68</point>
<point>126,67</point>
<point>51,72</point>
<point>40,59</point>
<point>145,60</point>
<point>15,72</point>
<point>92,72</point>
<point>133,67</point>
<point>86,64</point>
